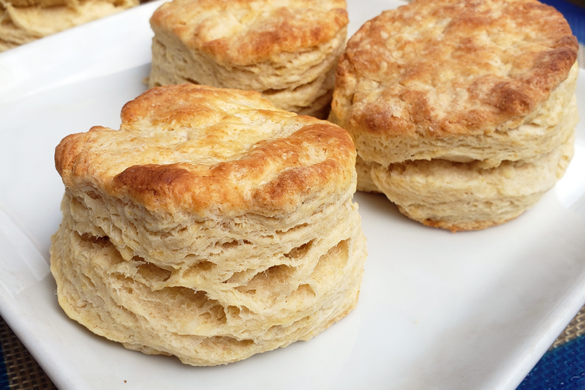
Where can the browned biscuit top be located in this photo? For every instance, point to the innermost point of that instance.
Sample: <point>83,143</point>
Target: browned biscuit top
<point>196,149</point>
<point>441,67</point>
<point>243,32</point>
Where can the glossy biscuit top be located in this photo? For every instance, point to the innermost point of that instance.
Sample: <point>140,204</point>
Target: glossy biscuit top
<point>434,68</point>
<point>196,149</point>
<point>244,32</point>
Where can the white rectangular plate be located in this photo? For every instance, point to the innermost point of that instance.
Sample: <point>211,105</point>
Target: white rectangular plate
<point>437,310</point>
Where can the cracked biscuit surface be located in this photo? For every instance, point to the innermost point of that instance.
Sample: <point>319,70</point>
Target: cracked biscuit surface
<point>285,49</point>
<point>196,230</point>
<point>474,83</point>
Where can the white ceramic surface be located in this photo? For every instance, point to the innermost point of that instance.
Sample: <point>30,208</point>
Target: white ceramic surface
<point>437,311</point>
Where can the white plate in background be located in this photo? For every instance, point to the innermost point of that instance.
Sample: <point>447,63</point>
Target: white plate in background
<point>438,310</point>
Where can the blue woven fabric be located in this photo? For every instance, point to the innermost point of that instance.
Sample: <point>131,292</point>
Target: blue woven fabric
<point>4,384</point>
<point>574,14</point>
<point>563,368</point>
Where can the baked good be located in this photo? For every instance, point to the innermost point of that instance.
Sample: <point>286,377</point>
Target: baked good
<point>196,230</point>
<point>286,50</point>
<point>447,101</point>
<point>23,21</point>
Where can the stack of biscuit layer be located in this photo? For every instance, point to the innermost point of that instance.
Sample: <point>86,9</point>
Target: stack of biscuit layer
<point>23,21</point>
<point>211,226</point>
<point>463,112</point>
<point>287,50</point>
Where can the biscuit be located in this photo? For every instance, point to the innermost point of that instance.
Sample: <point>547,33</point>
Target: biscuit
<point>196,230</point>
<point>286,50</point>
<point>473,85</point>
<point>24,21</point>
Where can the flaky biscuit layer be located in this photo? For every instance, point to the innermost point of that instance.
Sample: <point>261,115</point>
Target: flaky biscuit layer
<point>466,196</point>
<point>198,312</point>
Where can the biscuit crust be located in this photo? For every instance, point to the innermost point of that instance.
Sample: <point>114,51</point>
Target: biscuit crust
<point>451,69</point>
<point>203,149</point>
<point>244,32</point>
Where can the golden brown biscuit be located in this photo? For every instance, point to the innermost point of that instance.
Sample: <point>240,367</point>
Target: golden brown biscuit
<point>285,50</point>
<point>24,21</point>
<point>196,229</point>
<point>480,83</point>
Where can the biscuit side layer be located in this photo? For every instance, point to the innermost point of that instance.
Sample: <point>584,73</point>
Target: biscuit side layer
<point>466,196</point>
<point>199,312</point>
